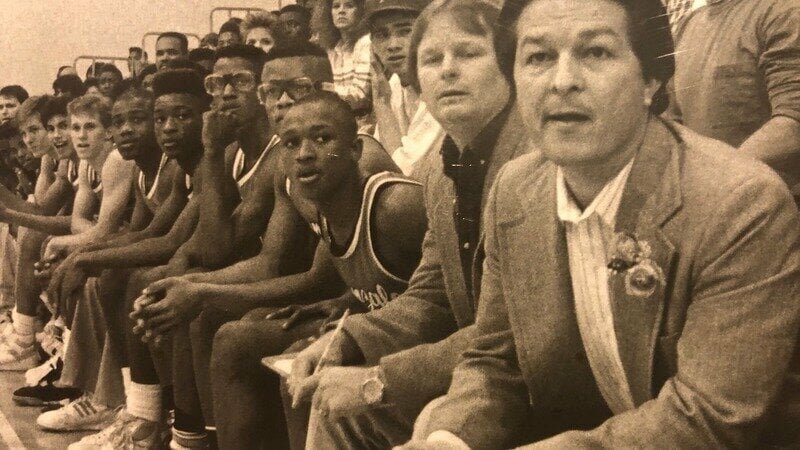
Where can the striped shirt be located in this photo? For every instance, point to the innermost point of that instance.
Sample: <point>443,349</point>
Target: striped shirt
<point>351,67</point>
<point>590,237</point>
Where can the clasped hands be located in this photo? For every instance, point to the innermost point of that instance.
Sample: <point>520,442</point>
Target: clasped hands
<point>163,306</point>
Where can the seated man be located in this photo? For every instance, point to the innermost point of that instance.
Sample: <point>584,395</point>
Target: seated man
<point>404,125</point>
<point>665,314</point>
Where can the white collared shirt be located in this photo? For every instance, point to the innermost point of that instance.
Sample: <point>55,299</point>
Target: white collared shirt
<point>590,237</point>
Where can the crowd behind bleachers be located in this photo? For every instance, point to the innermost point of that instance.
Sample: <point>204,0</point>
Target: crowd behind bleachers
<point>444,224</point>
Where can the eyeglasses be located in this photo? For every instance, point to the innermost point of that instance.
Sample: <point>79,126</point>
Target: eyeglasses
<point>241,81</point>
<point>295,89</point>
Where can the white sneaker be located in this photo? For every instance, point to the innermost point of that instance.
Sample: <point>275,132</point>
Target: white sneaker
<point>80,415</point>
<point>97,440</point>
<point>135,433</point>
<point>17,355</point>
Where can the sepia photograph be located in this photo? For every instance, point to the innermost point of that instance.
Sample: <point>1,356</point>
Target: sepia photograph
<point>399,224</point>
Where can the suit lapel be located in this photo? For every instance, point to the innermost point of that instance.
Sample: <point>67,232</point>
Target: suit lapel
<point>651,196</point>
<point>540,304</point>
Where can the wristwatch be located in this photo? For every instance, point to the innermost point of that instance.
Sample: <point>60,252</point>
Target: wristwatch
<point>372,389</point>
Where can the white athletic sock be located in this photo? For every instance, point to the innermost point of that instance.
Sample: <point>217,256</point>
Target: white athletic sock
<point>126,380</point>
<point>144,401</point>
<point>24,327</point>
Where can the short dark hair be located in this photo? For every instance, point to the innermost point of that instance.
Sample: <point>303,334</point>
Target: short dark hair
<point>135,49</point>
<point>133,92</point>
<point>109,67</point>
<point>302,10</point>
<point>122,86</point>
<point>230,26</point>
<point>341,108</point>
<point>255,55</point>
<point>200,54</point>
<point>180,81</point>
<point>16,91</point>
<point>56,106</point>
<point>474,17</point>
<point>147,70</point>
<point>69,83</point>
<point>298,49</point>
<point>35,105</point>
<point>90,82</point>
<point>648,31</point>
<point>179,36</point>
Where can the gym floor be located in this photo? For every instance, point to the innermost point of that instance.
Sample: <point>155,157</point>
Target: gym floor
<point>18,428</point>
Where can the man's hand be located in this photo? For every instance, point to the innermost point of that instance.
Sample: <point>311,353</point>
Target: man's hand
<point>303,381</point>
<point>220,129</point>
<point>55,250</point>
<point>180,303</point>
<point>381,91</point>
<point>330,309</point>
<point>339,392</point>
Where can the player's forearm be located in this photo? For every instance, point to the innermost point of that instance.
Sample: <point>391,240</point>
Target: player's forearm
<point>302,288</point>
<point>219,197</point>
<point>147,252</point>
<point>53,225</point>
<point>13,201</point>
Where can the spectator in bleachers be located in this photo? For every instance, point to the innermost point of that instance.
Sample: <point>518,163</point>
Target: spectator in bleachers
<point>258,30</point>
<point>170,45</point>
<point>342,31</point>
<point>91,86</point>
<point>294,25</point>
<point>108,77</point>
<point>69,85</point>
<point>10,98</point>
<point>230,33</point>
<point>146,76</point>
<point>737,78</point>
<point>203,57</point>
<point>210,41</point>
<point>405,127</point>
<point>137,59</point>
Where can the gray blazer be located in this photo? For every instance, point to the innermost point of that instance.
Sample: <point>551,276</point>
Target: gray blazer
<point>418,337</point>
<point>706,355</point>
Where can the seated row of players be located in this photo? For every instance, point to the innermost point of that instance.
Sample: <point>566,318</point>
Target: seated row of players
<point>240,211</point>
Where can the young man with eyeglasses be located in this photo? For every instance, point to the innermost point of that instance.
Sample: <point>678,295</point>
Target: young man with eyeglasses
<point>288,73</point>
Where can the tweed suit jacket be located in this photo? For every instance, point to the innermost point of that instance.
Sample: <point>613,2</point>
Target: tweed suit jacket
<point>710,356</point>
<point>418,337</point>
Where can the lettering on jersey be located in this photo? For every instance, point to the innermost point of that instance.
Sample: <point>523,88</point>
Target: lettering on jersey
<point>374,300</point>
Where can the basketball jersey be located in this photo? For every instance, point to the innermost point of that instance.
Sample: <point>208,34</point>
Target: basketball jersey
<point>359,266</point>
<point>150,199</point>
<point>239,174</point>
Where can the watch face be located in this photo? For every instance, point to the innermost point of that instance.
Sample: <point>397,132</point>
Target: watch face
<point>373,391</point>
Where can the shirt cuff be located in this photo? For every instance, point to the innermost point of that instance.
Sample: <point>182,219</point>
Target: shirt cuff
<point>446,437</point>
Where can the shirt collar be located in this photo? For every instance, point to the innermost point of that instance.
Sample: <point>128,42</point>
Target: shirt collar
<point>605,204</point>
<point>482,146</point>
